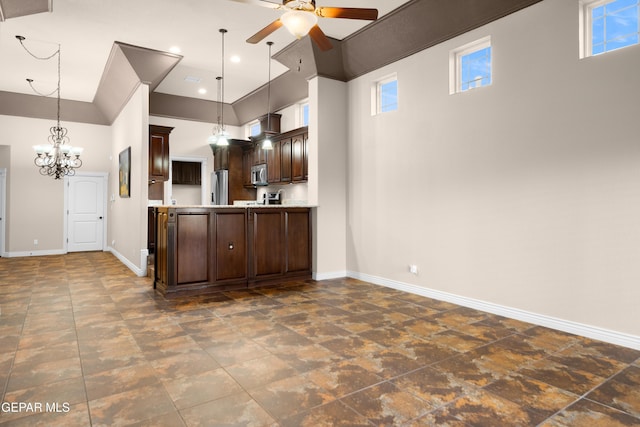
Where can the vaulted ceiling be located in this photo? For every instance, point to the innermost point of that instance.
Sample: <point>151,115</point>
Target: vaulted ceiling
<point>99,39</point>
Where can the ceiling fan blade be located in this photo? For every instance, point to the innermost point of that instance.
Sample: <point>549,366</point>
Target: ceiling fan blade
<point>263,3</point>
<point>318,36</point>
<point>257,37</point>
<point>348,13</point>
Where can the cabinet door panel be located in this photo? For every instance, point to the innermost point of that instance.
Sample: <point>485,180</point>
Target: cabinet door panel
<point>231,249</point>
<point>298,242</point>
<point>159,156</point>
<point>285,158</point>
<point>297,158</point>
<point>268,247</point>
<point>193,248</point>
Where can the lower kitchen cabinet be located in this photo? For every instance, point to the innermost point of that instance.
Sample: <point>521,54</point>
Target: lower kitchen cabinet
<point>207,249</point>
<point>281,243</point>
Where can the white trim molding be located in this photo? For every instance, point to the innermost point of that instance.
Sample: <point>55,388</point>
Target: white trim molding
<point>593,332</point>
<point>140,272</point>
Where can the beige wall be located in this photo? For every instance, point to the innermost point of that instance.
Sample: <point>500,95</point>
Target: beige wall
<point>35,203</point>
<point>327,148</point>
<point>127,229</point>
<point>523,194</point>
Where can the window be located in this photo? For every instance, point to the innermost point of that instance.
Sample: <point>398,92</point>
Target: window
<point>608,25</point>
<point>304,114</point>
<point>253,129</point>
<point>470,66</point>
<point>385,95</point>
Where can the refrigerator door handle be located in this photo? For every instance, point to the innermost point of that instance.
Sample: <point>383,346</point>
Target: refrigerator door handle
<point>214,188</point>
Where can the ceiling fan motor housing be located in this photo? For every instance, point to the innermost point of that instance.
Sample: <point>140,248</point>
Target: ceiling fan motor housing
<point>309,5</point>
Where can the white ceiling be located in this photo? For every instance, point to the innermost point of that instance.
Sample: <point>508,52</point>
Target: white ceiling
<point>86,30</point>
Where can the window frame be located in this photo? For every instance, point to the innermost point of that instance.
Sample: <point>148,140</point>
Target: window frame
<point>586,27</point>
<point>376,94</point>
<point>455,64</point>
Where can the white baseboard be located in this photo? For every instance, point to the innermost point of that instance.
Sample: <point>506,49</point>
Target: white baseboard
<point>34,253</point>
<point>593,332</point>
<point>329,276</point>
<point>141,272</point>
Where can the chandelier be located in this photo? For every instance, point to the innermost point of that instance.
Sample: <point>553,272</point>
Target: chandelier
<point>219,136</point>
<point>58,158</point>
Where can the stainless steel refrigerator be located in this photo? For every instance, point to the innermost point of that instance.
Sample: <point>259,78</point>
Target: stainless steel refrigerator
<point>220,187</point>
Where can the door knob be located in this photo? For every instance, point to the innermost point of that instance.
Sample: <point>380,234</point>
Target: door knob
<point>99,217</point>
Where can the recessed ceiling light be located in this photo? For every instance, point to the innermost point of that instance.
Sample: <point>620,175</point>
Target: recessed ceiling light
<point>235,58</point>
<point>174,49</point>
<point>202,91</point>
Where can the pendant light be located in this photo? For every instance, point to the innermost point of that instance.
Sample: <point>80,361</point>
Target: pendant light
<point>267,144</point>
<point>219,136</point>
<point>58,158</point>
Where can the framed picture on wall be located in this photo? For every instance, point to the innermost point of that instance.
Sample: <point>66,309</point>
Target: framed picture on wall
<point>124,175</point>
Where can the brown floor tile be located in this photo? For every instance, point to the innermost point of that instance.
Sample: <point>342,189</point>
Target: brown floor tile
<point>334,414</point>
<point>592,414</point>
<point>435,387</point>
<point>203,387</point>
<point>235,410</point>
<point>386,405</point>
<point>482,408</point>
<point>289,396</point>
<point>621,392</point>
<point>258,372</point>
<point>305,353</point>
<point>115,381</point>
<point>345,377</point>
<point>130,406</point>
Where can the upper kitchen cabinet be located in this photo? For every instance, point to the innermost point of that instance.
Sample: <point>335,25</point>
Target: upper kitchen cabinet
<point>159,153</point>
<point>299,158</point>
<point>293,155</point>
<point>220,158</point>
<point>186,173</point>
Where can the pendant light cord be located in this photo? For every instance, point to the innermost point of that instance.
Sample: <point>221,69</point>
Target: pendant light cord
<point>269,90</point>
<point>222,31</point>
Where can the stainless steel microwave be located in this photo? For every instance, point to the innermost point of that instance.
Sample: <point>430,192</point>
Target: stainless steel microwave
<point>259,175</point>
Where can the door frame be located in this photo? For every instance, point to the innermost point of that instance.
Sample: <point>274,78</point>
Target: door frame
<point>3,210</point>
<point>105,189</point>
<point>204,195</point>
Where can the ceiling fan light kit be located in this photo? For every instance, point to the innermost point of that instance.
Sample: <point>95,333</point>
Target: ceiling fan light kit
<point>299,22</point>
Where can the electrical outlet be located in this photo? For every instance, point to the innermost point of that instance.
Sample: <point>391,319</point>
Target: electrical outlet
<point>35,242</point>
<point>413,269</point>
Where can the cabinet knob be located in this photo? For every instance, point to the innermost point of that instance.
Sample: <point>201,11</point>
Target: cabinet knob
<point>230,246</point>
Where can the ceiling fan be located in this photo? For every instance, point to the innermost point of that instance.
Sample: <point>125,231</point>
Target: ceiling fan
<point>301,18</point>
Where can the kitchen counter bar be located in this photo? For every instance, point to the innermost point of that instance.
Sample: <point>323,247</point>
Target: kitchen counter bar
<point>205,249</point>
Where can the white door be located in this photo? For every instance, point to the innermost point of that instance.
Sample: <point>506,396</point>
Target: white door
<point>85,216</point>
<point>3,210</point>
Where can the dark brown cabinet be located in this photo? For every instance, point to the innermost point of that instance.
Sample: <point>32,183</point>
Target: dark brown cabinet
<point>274,159</point>
<point>206,249</point>
<point>221,158</point>
<point>186,173</point>
<point>159,152</point>
<point>247,162</point>
<point>285,160</point>
<point>298,158</point>
<point>281,243</point>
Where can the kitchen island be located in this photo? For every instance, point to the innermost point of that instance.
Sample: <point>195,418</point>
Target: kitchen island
<point>205,249</point>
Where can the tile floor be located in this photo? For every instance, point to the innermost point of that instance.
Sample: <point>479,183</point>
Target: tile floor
<point>83,342</point>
